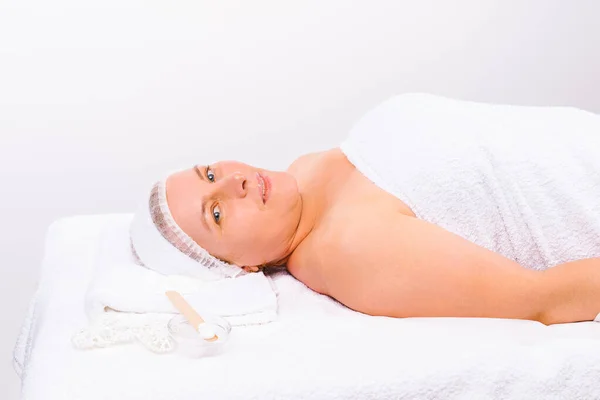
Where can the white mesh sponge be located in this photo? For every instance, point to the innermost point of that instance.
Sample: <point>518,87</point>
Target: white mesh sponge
<point>161,245</point>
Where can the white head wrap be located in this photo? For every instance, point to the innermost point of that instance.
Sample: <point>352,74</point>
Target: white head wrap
<point>161,245</point>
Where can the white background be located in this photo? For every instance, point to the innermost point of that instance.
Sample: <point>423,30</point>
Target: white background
<point>96,100</point>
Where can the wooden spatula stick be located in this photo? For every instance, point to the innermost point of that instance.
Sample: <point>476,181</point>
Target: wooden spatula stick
<point>188,312</point>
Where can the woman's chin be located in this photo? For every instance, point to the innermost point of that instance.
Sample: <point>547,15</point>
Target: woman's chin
<point>281,185</point>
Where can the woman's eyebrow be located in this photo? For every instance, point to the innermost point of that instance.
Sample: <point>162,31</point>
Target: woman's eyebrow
<point>203,206</point>
<point>199,172</point>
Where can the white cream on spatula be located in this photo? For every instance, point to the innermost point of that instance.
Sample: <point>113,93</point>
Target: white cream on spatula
<point>195,320</point>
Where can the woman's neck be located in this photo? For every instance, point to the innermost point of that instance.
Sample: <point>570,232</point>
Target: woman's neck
<point>320,177</point>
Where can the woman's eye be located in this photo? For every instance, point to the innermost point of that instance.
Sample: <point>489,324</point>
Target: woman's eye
<point>209,174</point>
<point>217,214</point>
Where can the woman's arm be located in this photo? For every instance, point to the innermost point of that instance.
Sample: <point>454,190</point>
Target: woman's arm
<point>411,268</point>
<point>574,291</point>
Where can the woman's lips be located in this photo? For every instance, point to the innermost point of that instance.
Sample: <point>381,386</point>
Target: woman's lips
<point>268,186</point>
<point>264,187</point>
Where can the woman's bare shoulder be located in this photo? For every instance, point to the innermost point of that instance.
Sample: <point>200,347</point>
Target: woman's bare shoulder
<point>312,160</point>
<point>323,253</point>
<point>408,267</point>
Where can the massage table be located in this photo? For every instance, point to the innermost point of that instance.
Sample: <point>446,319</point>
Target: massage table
<point>317,348</point>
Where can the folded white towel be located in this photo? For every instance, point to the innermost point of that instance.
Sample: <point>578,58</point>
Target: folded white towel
<point>138,294</point>
<point>130,288</point>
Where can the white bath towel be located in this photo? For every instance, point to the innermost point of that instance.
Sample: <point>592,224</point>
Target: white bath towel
<point>520,181</point>
<point>138,296</point>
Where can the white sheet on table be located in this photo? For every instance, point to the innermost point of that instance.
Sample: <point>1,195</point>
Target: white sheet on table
<point>317,349</point>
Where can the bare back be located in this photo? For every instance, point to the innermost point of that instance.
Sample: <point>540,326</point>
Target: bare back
<point>353,204</point>
<point>370,252</point>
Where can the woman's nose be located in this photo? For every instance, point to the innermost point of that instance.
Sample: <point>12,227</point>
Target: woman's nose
<point>235,185</point>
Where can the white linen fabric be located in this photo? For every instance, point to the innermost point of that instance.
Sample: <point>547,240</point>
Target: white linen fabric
<point>316,349</point>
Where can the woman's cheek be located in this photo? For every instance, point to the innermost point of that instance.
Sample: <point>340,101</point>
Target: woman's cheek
<point>249,219</point>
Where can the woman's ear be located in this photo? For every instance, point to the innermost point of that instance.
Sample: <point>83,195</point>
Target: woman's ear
<point>251,269</point>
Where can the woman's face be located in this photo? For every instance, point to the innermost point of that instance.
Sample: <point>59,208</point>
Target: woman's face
<point>238,213</point>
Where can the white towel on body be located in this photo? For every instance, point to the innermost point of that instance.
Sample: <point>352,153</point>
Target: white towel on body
<point>521,181</point>
<point>137,294</point>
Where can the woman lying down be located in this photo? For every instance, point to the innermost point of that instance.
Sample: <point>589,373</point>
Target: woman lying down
<point>431,207</point>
